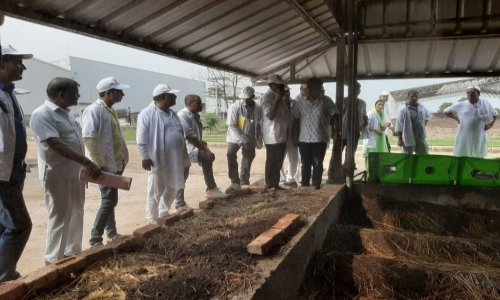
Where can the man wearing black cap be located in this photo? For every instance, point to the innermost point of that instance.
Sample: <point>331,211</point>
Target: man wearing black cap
<point>15,222</point>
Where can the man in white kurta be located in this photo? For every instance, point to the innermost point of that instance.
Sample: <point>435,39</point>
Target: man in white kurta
<point>160,141</point>
<point>60,156</point>
<point>474,117</point>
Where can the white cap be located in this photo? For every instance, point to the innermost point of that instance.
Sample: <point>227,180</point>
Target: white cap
<point>110,83</point>
<point>384,93</point>
<point>475,87</point>
<point>247,92</point>
<point>9,50</point>
<point>163,89</point>
<point>275,78</point>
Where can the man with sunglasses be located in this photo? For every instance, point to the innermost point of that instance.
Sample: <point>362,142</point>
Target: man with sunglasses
<point>15,221</point>
<point>106,147</point>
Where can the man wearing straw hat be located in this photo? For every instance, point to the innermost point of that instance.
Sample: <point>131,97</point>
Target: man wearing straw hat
<point>244,119</point>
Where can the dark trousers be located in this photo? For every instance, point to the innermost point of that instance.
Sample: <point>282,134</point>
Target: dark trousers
<point>275,154</point>
<point>312,155</point>
<point>208,171</point>
<point>248,153</point>
<point>105,218</point>
<point>15,222</point>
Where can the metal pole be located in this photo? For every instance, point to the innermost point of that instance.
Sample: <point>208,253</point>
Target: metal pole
<point>351,107</point>
<point>335,172</point>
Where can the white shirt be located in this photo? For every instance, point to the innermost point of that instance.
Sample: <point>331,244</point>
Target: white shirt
<point>7,136</point>
<point>471,137</point>
<point>193,129</point>
<point>160,137</point>
<point>235,134</point>
<point>315,119</point>
<point>361,107</point>
<point>405,126</point>
<point>274,131</point>
<point>51,121</point>
<point>97,125</point>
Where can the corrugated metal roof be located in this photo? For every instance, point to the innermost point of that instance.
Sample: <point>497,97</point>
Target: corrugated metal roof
<point>397,38</point>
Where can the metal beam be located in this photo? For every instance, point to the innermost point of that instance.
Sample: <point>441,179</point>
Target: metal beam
<point>309,19</point>
<point>183,19</point>
<point>79,6</point>
<point>151,17</point>
<point>451,58</point>
<point>116,13</point>
<point>428,61</point>
<point>38,17</point>
<point>494,61</point>
<point>422,38</point>
<point>473,57</point>
<point>407,58</point>
<point>231,25</point>
<point>295,60</point>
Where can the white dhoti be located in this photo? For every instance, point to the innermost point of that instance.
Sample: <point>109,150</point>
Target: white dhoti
<point>293,169</point>
<point>161,195</point>
<point>65,200</point>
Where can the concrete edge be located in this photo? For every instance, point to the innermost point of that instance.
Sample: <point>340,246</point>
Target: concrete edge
<point>286,272</point>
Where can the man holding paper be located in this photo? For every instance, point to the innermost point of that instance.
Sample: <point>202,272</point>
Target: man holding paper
<point>244,119</point>
<point>60,157</point>
<point>106,147</point>
<point>160,141</point>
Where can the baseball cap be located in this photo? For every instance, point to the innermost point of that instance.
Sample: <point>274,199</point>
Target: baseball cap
<point>384,93</point>
<point>110,83</point>
<point>163,89</point>
<point>275,78</point>
<point>9,50</point>
<point>247,92</point>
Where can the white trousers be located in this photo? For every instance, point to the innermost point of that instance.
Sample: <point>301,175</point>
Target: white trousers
<point>160,196</point>
<point>293,170</point>
<point>65,200</point>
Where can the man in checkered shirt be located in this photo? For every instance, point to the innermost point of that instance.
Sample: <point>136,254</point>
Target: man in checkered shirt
<point>315,119</point>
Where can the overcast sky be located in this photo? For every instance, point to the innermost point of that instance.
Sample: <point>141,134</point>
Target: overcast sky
<point>51,44</point>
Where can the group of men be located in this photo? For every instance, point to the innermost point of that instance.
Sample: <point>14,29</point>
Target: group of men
<point>169,142</point>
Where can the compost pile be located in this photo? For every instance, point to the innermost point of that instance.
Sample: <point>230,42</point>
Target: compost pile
<point>386,249</point>
<point>197,258</point>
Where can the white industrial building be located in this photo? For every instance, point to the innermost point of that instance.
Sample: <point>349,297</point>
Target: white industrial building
<point>88,72</point>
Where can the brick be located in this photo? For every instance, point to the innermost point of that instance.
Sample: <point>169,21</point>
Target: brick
<point>40,279</point>
<point>71,265</point>
<point>288,224</point>
<point>96,253</point>
<point>266,242</point>
<point>147,231</point>
<point>207,204</point>
<point>257,189</point>
<point>186,214</point>
<point>169,220</point>
<point>12,290</point>
<point>125,244</point>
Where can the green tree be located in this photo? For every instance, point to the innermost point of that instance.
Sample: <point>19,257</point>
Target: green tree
<point>210,120</point>
<point>443,106</point>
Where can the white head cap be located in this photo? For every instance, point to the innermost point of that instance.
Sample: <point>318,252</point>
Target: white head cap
<point>384,93</point>
<point>275,78</point>
<point>474,87</point>
<point>247,92</point>
<point>110,83</point>
<point>9,50</point>
<point>163,89</point>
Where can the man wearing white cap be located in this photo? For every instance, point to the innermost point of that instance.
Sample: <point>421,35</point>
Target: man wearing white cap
<point>384,95</point>
<point>15,222</point>
<point>61,154</point>
<point>474,118</point>
<point>244,120</point>
<point>198,150</point>
<point>106,147</point>
<point>275,127</point>
<point>160,141</point>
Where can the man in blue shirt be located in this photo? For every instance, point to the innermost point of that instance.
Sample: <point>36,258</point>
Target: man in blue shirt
<point>15,222</point>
